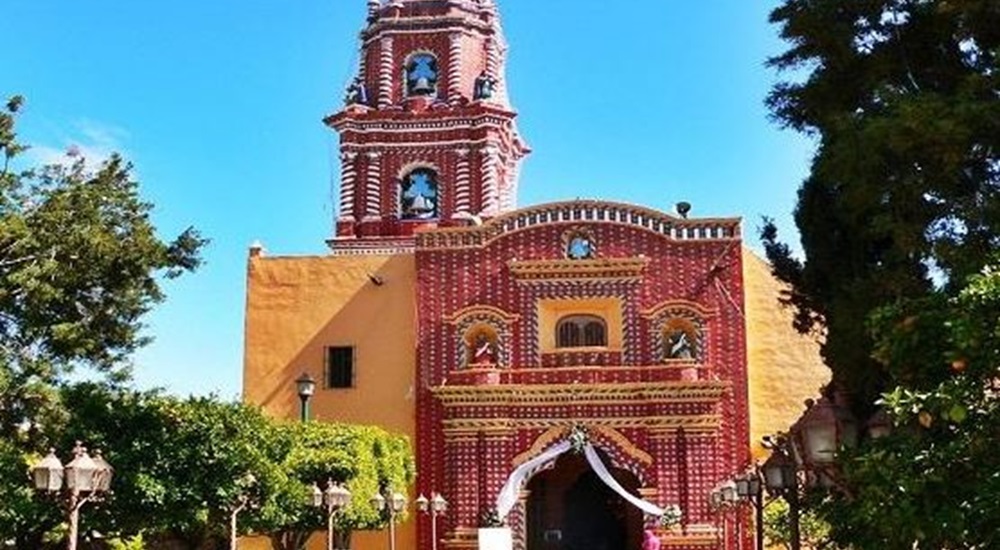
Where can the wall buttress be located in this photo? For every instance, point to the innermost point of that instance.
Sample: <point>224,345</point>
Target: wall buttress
<point>373,187</point>
<point>348,180</point>
<point>463,204</point>
<point>385,73</point>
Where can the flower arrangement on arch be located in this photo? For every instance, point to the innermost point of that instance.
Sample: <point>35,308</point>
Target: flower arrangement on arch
<point>490,517</point>
<point>672,516</point>
<point>578,439</point>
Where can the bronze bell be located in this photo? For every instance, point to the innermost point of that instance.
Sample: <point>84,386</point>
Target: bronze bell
<point>423,86</point>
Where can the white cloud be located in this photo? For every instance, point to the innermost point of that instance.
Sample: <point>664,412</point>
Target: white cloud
<point>92,140</point>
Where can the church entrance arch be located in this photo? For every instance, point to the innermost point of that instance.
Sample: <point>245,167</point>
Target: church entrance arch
<point>570,508</point>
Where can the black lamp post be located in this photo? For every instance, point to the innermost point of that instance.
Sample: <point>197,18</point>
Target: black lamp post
<point>306,387</point>
<point>393,506</point>
<point>435,506</point>
<point>723,498</point>
<point>750,488</point>
<point>83,480</point>
<point>811,447</point>
<point>782,478</point>
<point>334,498</point>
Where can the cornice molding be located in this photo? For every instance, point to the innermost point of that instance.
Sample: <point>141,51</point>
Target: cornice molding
<point>662,307</point>
<point>546,271</point>
<point>640,393</point>
<point>491,311</point>
<point>585,212</point>
<point>459,429</point>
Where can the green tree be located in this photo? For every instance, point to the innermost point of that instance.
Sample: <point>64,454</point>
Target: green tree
<point>903,192</point>
<point>80,264</point>
<point>366,459</point>
<point>213,459</point>
<point>182,467</point>
<point>185,468</point>
<point>935,482</point>
<point>899,217</point>
<point>814,532</point>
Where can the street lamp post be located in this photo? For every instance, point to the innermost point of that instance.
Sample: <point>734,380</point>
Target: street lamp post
<point>436,505</point>
<point>723,498</point>
<point>731,494</point>
<point>810,447</point>
<point>782,478</point>
<point>750,488</point>
<point>306,387</point>
<point>393,505</point>
<point>83,480</point>
<point>334,498</point>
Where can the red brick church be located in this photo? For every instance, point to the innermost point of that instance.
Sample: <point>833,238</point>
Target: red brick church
<point>576,368</point>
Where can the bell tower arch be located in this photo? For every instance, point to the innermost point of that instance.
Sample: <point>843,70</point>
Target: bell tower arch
<point>430,92</point>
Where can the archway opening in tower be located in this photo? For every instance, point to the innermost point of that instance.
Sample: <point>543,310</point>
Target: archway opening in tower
<point>570,508</point>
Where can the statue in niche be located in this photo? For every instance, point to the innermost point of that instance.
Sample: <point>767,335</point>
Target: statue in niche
<point>484,87</point>
<point>356,93</point>
<point>484,350</point>
<point>678,345</point>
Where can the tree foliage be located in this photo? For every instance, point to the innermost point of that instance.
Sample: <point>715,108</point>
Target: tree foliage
<point>900,218</point>
<point>80,264</point>
<point>183,466</point>
<point>366,459</point>
<point>935,482</point>
<point>813,535</point>
<point>904,191</point>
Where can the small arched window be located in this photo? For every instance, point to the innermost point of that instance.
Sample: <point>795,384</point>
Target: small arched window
<point>580,247</point>
<point>421,75</point>
<point>577,331</point>
<point>418,195</point>
<point>680,340</point>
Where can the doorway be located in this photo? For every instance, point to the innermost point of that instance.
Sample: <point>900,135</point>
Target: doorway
<point>570,508</point>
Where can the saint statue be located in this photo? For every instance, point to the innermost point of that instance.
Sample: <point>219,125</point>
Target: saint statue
<point>679,346</point>
<point>484,87</point>
<point>356,93</point>
<point>484,351</point>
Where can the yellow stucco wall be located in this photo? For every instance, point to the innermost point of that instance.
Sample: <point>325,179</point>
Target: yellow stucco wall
<point>296,307</point>
<point>784,366</point>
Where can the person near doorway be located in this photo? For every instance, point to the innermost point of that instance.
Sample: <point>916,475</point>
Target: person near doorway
<point>650,541</point>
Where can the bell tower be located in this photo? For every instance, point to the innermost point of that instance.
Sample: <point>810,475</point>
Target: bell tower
<point>427,133</point>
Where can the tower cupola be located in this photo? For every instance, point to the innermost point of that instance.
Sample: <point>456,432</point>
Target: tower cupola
<point>427,133</point>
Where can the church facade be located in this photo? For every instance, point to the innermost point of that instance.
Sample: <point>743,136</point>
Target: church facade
<point>574,368</point>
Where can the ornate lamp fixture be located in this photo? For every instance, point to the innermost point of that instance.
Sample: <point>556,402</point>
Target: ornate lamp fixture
<point>336,497</point>
<point>83,480</point>
<point>393,506</point>
<point>435,506</point>
<point>306,387</point>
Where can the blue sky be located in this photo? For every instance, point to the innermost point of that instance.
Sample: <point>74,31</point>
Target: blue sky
<point>219,103</point>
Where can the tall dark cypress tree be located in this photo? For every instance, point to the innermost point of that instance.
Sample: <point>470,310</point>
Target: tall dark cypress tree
<point>900,226</point>
<point>903,97</point>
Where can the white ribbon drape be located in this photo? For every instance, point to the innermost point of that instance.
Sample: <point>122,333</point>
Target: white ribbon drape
<point>595,462</point>
<point>508,494</point>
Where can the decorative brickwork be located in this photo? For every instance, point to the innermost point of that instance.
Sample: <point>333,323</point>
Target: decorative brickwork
<point>679,426</point>
<point>664,396</point>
